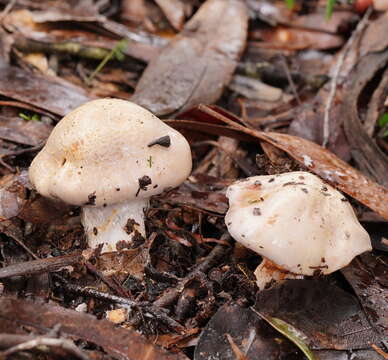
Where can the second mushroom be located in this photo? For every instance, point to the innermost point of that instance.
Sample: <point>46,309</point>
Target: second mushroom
<point>298,223</point>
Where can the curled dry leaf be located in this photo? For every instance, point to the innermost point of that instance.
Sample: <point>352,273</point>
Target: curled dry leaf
<point>122,344</point>
<point>317,159</point>
<point>195,67</point>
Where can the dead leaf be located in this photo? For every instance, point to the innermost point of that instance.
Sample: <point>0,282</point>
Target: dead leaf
<point>254,338</point>
<point>369,157</point>
<point>23,132</point>
<point>195,67</point>
<point>174,10</point>
<point>12,194</point>
<point>374,38</point>
<point>329,317</point>
<point>118,342</point>
<point>368,276</point>
<point>41,91</point>
<point>339,21</point>
<point>201,194</point>
<point>308,120</point>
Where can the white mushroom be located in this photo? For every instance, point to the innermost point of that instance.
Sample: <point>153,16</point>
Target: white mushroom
<point>110,156</point>
<point>298,223</point>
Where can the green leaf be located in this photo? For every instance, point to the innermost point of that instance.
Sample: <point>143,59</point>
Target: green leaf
<point>116,52</point>
<point>33,117</point>
<point>24,116</point>
<point>383,120</point>
<point>290,332</point>
<point>329,9</point>
<point>122,45</point>
<point>290,3</point>
<point>119,56</point>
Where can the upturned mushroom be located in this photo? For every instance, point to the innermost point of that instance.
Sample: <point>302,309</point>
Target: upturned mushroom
<point>296,222</point>
<point>110,156</point>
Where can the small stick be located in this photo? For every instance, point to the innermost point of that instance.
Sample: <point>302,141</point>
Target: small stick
<point>333,85</point>
<point>39,266</point>
<point>379,351</point>
<point>290,81</point>
<point>65,344</point>
<point>108,281</point>
<point>7,9</point>
<point>145,306</point>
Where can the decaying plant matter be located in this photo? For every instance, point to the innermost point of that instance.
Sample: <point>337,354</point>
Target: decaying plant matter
<point>161,164</point>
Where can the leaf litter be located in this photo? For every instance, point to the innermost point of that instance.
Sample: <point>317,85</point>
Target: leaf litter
<point>187,291</point>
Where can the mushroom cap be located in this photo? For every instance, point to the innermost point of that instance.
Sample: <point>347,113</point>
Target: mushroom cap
<point>100,154</point>
<point>295,220</point>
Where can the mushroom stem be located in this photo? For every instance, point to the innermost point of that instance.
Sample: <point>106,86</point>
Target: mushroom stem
<point>268,273</point>
<point>115,223</point>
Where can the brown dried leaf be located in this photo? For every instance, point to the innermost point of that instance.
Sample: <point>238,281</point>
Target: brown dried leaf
<point>208,201</point>
<point>375,36</point>
<point>118,342</point>
<point>254,338</point>
<point>369,157</point>
<point>12,194</point>
<point>54,95</point>
<point>329,317</point>
<point>198,63</point>
<point>174,10</point>
<point>368,276</point>
<point>23,132</point>
<point>338,21</point>
<point>308,120</point>
<point>126,262</point>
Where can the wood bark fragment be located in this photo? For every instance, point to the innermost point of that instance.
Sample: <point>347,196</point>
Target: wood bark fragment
<point>39,266</point>
<point>121,343</point>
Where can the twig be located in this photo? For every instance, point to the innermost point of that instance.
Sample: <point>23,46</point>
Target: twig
<point>379,351</point>
<point>333,85</point>
<point>65,344</point>
<point>21,243</point>
<point>38,266</point>
<point>108,281</point>
<point>213,258</point>
<point>290,81</point>
<point>24,151</point>
<point>239,355</point>
<point>7,9</point>
<point>7,166</point>
<point>145,306</point>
